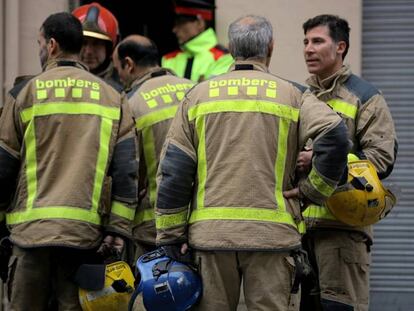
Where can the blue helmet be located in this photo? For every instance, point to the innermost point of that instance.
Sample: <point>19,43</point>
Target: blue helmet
<point>167,284</point>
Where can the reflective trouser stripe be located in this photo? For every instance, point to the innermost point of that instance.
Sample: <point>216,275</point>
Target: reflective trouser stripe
<point>144,215</point>
<point>343,107</point>
<point>107,114</point>
<point>166,221</point>
<point>318,212</point>
<point>145,124</point>
<point>267,107</point>
<point>122,210</point>
<point>319,184</point>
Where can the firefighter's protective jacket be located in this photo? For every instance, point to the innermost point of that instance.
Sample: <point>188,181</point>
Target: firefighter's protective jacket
<point>370,128</point>
<point>154,100</point>
<point>231,152</point>
<point>66,137</point>
<point>199,58</point>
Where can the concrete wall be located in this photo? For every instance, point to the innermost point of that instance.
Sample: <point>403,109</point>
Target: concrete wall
<point>20,21</point>
<point>287,17</point>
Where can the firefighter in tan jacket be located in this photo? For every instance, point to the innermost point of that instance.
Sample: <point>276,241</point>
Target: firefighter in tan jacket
<point>334,247</point>
<point>153,95</point>
<point>231,154</point>
<point>64,134</point>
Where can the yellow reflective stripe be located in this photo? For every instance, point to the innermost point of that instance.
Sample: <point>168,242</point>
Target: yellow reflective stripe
<point>69,108</point>
<point>155,117</point>
<point>144,215</point>
<point>352,157</point>
<point>272,108</point>
<point>301,227</point>
<point>167,221</point>
<point>242,213</point>
<point>31,164</point>
<point>120,209</point>
<point>319,184</point>
<point>150,161</point>
<point>319,212</point>
<point>280,162</point>
<point>31,171</point>
<point>52,212</point>
<point>101,163</point>
<point>343,107</point>
<point>201,160</point>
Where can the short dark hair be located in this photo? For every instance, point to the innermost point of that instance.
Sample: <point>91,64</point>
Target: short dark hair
<point>66,29</point>
<point>145,55</point>
<point>338,28</point>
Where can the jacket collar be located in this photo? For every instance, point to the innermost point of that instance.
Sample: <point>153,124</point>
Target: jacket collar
<point>53,63</point>
<point>200,43</point>
<point>152,73</point>
<point>248,65</point>
<point>328,84</point>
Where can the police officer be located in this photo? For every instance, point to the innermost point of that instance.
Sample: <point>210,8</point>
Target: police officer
<point>229,157</point>
<point>100,31</point>
<point>338,249</point>
<point>59,134</point>
<point>200,56</point>
<point>154,94</point>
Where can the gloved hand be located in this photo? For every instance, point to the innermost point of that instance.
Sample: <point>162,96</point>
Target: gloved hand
<point>296,194</point>
<point>111,247</point>
<point>179,252</point>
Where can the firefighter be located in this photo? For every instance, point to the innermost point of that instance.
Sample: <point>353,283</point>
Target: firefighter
<point>338,249</point>
<point>65,137</point>
<point>100,31</point>
<point>154,94</point>
<point>228,160</point>
<point>200,56</point>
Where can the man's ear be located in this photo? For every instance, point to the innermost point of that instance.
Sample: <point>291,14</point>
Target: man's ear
<point>53,47</point>
<point>129,64</point>
<point>341,47</point>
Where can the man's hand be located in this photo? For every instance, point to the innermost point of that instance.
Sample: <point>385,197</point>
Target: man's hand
<point>178,252</point>
<point>296,195</point>
<point>291,194</point>
<point>111,246</point>
<point>304,161</point>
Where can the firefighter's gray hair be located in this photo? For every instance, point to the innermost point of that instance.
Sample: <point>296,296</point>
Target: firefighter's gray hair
<point>250,36</point>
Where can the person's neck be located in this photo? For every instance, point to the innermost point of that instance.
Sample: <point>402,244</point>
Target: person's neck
<point>261,60</point>
<point>140,72</point>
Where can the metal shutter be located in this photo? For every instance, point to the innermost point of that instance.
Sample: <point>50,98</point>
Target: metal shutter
<point>388,63</point>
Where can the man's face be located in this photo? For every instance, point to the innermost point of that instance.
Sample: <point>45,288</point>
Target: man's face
<point>43,52</point>
<point>93,52</point>
<point>323,56</point>
<point>185,30</point>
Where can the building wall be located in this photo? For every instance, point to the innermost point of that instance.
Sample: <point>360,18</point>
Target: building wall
<point>20,21</point>
<point>287,17</point>
<point>22,18</point>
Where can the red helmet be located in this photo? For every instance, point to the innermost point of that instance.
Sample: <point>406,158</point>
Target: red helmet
<point>97,22</point>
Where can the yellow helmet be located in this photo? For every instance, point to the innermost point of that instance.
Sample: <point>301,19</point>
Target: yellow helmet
<point>363,200</point>
<point>115,293</point>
